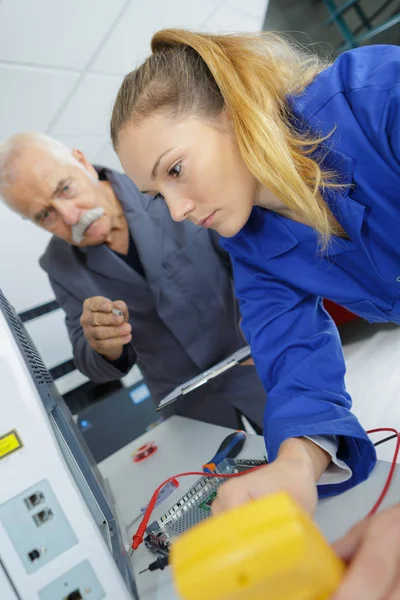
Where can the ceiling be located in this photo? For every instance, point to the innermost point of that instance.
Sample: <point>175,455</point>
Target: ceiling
<point>61,63</point>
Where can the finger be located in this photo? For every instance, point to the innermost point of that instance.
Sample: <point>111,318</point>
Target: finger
<point>98,319</point>
<point>111,344</point>
<point>230,495</point>
<point>120,305</point>
<point>249,361</point>
<point>374,569</point>
<point>110,332</point>
<point>395,592</point>
<point>98,304</point>
<point>217,507</point>
<point>347,545</point>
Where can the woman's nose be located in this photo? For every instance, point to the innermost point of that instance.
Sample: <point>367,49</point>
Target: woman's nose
<point>180,209</point>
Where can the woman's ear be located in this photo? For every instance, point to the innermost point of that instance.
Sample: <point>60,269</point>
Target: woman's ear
<point>224,121</point>
<point>226,116</point>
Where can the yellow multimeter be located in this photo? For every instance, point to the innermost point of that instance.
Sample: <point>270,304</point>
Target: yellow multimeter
<point>268,549</point>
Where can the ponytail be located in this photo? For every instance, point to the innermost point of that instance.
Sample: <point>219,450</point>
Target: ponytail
<point>253,76</point>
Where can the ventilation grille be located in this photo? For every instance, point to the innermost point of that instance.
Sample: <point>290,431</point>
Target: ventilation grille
<point>194,515</point>
<point>32,356</point>
<point>190,509</point>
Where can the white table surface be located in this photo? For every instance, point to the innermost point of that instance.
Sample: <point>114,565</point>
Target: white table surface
<point>185,445</point>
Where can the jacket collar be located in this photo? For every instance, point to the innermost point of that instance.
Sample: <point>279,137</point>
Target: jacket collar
<point>146,229</point>
<point>277,235</point>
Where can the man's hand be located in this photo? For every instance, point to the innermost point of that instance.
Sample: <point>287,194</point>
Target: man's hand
<point>299,465</point>
<point>105,332</point>
<point>249,361</point>
<point>372,552</point>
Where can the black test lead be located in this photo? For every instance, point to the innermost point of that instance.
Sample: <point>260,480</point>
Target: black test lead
<point>157,565</point>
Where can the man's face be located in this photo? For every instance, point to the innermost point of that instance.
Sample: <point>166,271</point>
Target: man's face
<point>65,199</point>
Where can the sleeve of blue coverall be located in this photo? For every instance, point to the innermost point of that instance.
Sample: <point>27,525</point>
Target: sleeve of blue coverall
<point>372,83</point>
<point>298,356</point>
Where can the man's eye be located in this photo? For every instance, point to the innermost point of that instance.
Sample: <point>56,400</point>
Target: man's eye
<point>48,216</point>
<point>67,191</point>
<point>158,197</point>
<point>176,170</point>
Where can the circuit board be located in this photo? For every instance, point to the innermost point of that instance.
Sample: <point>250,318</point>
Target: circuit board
<point>194,506</point>
<point>206,504</point>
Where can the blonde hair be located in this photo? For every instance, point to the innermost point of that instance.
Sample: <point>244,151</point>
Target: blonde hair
<point>254,77</point>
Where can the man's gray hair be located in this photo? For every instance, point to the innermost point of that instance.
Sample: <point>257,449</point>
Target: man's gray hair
<point>11,149</point>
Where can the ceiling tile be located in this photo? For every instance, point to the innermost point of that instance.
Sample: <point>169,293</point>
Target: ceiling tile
<point>230,20</point>
<point>89,110</point>
<point>256,8</point>
<point>107,158</point>
<point>130,41</point>
<point>48,32</point>
<point>89,145</point>
<point>30,97</point>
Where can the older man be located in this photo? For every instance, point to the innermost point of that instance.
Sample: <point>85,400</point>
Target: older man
<point>113,248</point>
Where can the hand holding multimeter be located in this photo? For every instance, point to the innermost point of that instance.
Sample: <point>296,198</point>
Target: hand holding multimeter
<point>291,558</point>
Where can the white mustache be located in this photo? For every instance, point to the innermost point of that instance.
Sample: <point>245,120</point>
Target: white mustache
<point>78,230</point>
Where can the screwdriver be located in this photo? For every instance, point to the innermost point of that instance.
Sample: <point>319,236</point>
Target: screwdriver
<point>230,448</point>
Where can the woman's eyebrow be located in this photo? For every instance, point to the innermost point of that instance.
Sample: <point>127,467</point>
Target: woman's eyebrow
<point>154,171</point>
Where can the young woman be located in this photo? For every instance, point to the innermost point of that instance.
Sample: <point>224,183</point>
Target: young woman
<point>296,163</point>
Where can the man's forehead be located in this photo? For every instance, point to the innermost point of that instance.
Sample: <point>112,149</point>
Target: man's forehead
<point>37,170</point>
<point>35,176</point>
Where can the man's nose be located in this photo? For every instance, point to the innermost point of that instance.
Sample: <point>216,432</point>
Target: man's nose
<point>70,213</point>
<point>180,208</point>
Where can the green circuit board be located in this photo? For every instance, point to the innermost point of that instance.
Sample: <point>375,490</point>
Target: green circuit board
<point>206,504</point>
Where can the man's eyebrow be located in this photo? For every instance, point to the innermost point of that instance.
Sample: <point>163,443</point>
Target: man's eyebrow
<point>154,171</point>
<point>59,186</point>
<point>56,191</point>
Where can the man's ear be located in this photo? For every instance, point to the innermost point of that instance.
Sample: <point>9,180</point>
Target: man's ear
<point>82,160</point>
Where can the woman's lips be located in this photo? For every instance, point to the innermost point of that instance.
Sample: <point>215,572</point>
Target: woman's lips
<point>208,221</point>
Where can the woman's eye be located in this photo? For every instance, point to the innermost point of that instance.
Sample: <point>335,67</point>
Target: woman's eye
<point>158,197</point>
<point>175,171</point>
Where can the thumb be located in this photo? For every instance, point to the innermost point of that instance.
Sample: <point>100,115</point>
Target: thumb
<point>120,305</point>
<point>230,495</point>
<point>347,545</point>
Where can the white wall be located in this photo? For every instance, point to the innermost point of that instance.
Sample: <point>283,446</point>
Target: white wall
<point>61,63</point>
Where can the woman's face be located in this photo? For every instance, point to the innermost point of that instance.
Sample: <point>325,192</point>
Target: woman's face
<point>195,166</point>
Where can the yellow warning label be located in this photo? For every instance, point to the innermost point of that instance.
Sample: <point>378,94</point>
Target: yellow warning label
<point>9,443</point>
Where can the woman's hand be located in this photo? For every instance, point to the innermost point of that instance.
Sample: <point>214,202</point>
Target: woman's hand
<point>372,551</point>
<point>299,465</point>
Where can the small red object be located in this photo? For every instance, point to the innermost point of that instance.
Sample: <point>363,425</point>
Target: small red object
<point>144,452</point>
<point>338,313</point>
